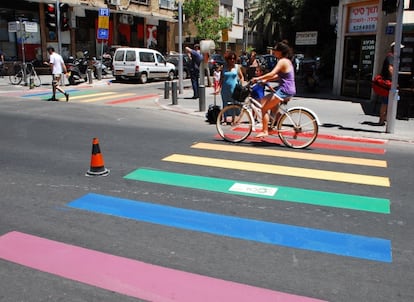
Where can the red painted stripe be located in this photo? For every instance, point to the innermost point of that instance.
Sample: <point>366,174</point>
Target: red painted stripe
<point>131,99</point>
<point>127,276</point>
<point>316,145</point>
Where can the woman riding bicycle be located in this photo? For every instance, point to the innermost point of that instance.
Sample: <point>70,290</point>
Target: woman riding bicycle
<point>284,73</point>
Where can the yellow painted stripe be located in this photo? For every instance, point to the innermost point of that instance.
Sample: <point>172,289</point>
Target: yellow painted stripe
<point>100,98</point>
<point>291,154</point>
<point>280,170</point>
<point>77,97</point>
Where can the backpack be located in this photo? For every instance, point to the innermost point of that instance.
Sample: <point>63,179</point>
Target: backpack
<point>212,113</point>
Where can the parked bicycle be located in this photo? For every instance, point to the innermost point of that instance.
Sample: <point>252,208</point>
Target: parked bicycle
<point>297,127</point>
<point>25,72</point>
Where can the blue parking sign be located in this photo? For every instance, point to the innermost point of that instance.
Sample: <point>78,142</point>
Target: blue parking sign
<point>103,33</point>
<point>104,12</point>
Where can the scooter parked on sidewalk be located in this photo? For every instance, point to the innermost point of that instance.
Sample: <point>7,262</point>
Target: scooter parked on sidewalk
<point>78,69</point>
<point>99,68</point>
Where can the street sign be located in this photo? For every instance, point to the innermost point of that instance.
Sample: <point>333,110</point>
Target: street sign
<point>103,34</point>
<point>103,22</point>
<point>104,12</point>
<point>30,27</point>
<point>13,26</point>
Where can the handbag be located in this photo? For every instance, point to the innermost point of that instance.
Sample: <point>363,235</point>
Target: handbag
<point>240,93</point>
<point>381,86</point>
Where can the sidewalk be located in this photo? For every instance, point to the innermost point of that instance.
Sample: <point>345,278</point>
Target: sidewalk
<point>337,117</point>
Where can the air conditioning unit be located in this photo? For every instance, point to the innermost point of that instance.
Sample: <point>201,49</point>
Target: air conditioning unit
<point>114,2</point>
<point>126,19</point>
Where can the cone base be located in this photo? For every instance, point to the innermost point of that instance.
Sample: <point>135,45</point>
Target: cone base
<point>105,172</point>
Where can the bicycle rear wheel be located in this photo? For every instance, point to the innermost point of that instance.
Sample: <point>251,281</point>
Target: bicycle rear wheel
<point>234,123</point>
<point>16,78</point>
<point>298,128</point>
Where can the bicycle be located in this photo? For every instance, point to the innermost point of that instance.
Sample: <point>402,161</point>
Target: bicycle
<point>24,71</point>
<point>297,127</point>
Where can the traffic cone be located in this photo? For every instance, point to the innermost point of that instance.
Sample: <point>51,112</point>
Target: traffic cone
<point>97,163</point>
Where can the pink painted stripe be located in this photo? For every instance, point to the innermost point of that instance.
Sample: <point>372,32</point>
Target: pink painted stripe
<point>132,99</point>
<point>316,145</point>
<point>127,276</point>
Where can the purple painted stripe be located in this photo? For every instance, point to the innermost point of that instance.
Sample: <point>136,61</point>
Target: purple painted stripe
<point>127,276</point>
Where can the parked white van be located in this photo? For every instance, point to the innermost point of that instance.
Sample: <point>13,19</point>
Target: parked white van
<point>141,64</point>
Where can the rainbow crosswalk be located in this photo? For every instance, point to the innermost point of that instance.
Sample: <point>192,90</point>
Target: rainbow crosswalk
<point>141,280</point>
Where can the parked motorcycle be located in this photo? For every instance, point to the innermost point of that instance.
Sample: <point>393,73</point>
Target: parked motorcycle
<point>99,66</point>
<point>78,69</point>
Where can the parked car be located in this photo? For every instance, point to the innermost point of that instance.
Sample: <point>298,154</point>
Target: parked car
<point>215,59</point>
<point>174,59</point>
<point>268,61</point>
<point>141,64</point>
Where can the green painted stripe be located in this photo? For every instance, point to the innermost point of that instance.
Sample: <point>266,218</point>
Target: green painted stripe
<point>290,194</point>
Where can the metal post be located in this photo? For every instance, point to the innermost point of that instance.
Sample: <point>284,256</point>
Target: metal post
<point>174,93</point>
<point>166,90</point>
<point>393,95</point>
<point>180,46</point>
<point>89,73</point>
<point>202,100</point>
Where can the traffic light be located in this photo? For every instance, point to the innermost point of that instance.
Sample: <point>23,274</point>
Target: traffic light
<point>64,16</point>
<point>51,17</point>
<point>389,6</point>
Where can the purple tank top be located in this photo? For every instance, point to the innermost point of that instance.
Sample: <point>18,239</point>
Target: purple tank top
<point>287,82</point>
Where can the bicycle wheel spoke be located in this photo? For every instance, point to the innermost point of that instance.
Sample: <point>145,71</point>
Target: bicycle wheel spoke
<point>298,128</point>
<point>234,123</point>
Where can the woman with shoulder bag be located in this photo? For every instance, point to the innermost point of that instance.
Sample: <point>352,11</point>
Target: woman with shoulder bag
<point>231,75</point>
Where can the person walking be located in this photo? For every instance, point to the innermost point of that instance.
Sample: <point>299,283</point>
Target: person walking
<point>195,68</point>
<point>1,63</point>
<point>252,64</point>
<point>58,67</point>
<point>231,74</point>
<point>386,73</point>
<point>284,72</point>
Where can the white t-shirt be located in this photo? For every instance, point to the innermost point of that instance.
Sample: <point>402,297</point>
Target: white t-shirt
<point>57,61</point>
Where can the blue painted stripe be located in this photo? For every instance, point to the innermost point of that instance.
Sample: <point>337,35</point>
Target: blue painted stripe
<point>47,93</point>
<point>343,244</point>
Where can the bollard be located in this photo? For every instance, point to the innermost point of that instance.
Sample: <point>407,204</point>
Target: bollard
<point>166,90</point>
<point>99,72</point>
<point>31,83</point>
<point>202,100</point>
<point>89,71</point>
<point>174,93</point>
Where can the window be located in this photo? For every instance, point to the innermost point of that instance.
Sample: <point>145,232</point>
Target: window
<point>145,2</point>
<point>147,57</point>
<point>130,56</point>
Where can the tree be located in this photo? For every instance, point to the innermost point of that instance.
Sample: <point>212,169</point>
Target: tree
<point>205,17</point>
<point>274,19</point>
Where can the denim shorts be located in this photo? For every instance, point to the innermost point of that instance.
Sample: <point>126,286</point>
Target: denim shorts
<point>281,95</point>
<point>383,99</point>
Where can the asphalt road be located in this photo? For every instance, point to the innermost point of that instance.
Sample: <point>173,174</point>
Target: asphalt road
<point>45,150</point>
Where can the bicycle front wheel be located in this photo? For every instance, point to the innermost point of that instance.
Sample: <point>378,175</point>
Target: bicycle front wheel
<point>36,80</point>
<point>234,124</point>
<point>298,128</point>
<point>16,78</point>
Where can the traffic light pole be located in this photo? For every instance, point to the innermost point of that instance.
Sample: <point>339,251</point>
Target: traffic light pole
<point>59,34</point>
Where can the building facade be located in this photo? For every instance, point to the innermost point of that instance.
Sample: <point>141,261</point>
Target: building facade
<point>365,33</point>
<point>135,23</point>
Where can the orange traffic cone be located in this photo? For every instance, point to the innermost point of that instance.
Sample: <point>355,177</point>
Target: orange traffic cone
<point>97,163</point>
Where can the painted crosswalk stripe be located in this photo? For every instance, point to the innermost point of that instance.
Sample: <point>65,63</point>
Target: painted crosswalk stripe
<point>101,97</point>
<point>127,276</point>
<point>292,154</point>
<point>280,170</point>
<point>280,193</point>
<point>349,245</point>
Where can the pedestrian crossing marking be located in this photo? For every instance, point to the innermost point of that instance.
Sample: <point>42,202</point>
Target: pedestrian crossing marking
<point>129,277</point>
<point>292,154</point>
<point>298,237</point>
<point>280,170</point>
<point>82,96</point>
<point>264,191</point>
<point>100,98</point>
